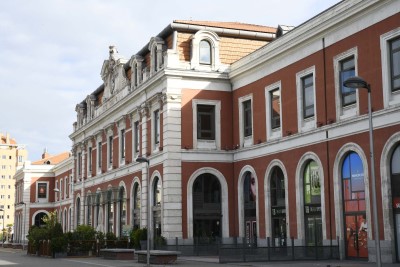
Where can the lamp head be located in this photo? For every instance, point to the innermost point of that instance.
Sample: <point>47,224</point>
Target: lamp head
<point>56,190</point>
<point>142,160</point>
<point>356,82</point>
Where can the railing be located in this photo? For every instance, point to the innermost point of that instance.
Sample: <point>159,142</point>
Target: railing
<point>250,252</point>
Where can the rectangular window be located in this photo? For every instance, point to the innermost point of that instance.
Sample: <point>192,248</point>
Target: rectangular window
<point>394,46</point>
<point>3,156</point>
<point>347,70</point>
<point>79,163</point>
<point>137,137</point>
<point>206,122</point>
<point>42,190</point>
<point>99,154</point>
<point>110,149</point>
<point>247,124</point>
<point>122,136</point>
<point>275,97</point>
<point>20,158</point>
<point>307,84</point>
<point>90,159</point>
<point>156,127</point>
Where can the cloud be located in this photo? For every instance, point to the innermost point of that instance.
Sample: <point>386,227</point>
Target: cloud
<point>51,52</point>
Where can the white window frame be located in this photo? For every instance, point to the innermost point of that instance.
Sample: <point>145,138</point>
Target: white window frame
<point>110,151</point>
<point>89,161</point>
<point>61,189</point>
<point>41,200</point>
<point>122,149</point>
<point>207,144</point>
<point>65,187</point>
<point>343,113</point>
<point>155,146</point>
<point>389,98</point>
<point>248,140</point>
<point>135,135</point>
<point>213,39</point>
<point>305,124</point>
<point>277,132</point>
<point>99,151</point>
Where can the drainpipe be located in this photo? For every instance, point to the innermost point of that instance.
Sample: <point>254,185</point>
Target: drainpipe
<point>327,143</point>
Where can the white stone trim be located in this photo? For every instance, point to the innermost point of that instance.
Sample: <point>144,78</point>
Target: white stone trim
<point>207,144</point>
<point>305,124</point>
<point>386,188</point>
<point>224,200</point>
<point>242,173</point>
<point>389,98</point>
<point>245,141</point>
<point>302,163</point>
<point>343,113</point>
<point>272,133</point>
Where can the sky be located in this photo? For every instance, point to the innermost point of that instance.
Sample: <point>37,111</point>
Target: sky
<point>52,51</point>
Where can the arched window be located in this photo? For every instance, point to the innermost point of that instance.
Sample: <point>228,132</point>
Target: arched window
<point>207,207</point>
<point>39,219</point>
<point>157,207</point>
<point>155,66</point>
<point>250,212</point>
<point>354,206</point>
<point>205,52</point>
<point>78,211</point>
<point>136,206</point>
<point>312,204</point>
<point>122,211</point>
<point>157,192</point>
<point>278,207</point>
<point>395,179</point>
<point>110,212</point>
<point>98,198</point>
<point>89,210</point>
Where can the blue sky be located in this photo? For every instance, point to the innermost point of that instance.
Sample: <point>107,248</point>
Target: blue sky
<point>51,52</point>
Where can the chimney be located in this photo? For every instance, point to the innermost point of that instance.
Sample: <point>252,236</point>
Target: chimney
<point>45,154</point>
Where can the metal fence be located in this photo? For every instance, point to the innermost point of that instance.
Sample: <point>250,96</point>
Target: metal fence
<point>244,252</point>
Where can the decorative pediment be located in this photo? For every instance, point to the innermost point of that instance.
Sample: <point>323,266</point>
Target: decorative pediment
<point>113,73</point>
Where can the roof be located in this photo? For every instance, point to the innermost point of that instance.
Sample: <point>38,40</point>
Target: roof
<point>52,160</point>
<point>229,25</point>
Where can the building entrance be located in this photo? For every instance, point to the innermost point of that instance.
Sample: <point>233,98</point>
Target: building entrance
<point>207,208</point>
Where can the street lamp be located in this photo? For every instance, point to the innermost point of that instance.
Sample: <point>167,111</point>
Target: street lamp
<point>355,83</point>
<point>3,224</point>
<point>59,199</point>
<point>145,160</point>
<point>23,227</point>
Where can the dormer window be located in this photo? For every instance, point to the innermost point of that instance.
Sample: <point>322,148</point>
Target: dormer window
<point>156,54</point>
<point>205,52</point>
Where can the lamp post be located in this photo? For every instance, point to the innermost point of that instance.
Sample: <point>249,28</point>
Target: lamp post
<point>3,224</point>
<point>145,160</point>
<point>23,226</point>
<point>358,82</point>
<point>59,200</point>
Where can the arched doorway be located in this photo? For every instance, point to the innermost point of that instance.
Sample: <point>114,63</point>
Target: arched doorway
<point>122,212</point>
<point>39,219</point>
<point>312,204</point>
<point>355,228</point>
<point>395,181</point>
<point>157,200</point>
<point>136,206</point>
<point>250,211</point>
<point>207,207</point>
<point>278,208</point>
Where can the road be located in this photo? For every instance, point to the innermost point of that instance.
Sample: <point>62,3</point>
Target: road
<point>19,258</point>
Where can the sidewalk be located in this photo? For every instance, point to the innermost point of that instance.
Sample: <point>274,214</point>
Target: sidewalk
<point>19,257</point>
